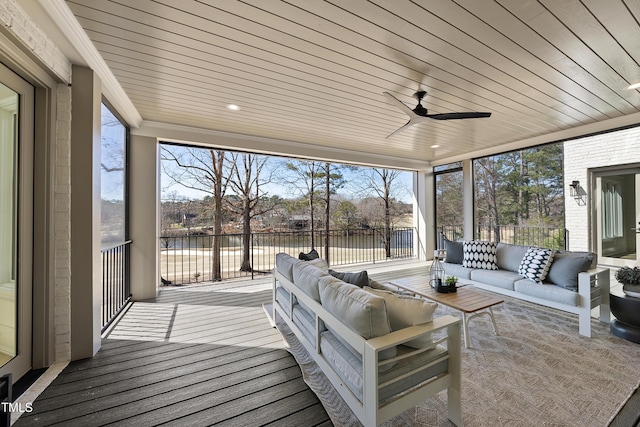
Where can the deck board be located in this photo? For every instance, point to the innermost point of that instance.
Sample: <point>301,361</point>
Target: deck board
<point>195,355</point>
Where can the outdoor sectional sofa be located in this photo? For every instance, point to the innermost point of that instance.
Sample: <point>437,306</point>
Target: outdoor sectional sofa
<point>383,352</point>
<point>570,281</point>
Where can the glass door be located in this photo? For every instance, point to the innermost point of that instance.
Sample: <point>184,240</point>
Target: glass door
<point>618,217</point>
<point>16,223</point>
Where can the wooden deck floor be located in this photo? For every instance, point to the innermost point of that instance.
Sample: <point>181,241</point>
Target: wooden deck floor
<point>195,355</point>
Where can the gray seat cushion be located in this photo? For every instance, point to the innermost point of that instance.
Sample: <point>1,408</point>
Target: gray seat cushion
<point>499,278</point>
<point>283,298</point>
<point>349,366</point>
<point>509,256</point>
<point>547,291</point>
<point>306,322</point>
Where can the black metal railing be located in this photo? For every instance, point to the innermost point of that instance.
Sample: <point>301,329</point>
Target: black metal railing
<point>189,259</point>
<point>116,285</point>
<point>547,237</point>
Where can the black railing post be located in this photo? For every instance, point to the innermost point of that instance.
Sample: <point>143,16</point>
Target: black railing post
<point>116,281</point>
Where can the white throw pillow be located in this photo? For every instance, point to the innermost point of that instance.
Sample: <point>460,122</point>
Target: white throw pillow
<point>405,311</point>
<point>479,254</point>
<point>535,264</point>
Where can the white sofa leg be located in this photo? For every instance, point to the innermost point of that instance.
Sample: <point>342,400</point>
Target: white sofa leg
<point>585,322</point>
<point>605,289</point>
<point>454,391</point>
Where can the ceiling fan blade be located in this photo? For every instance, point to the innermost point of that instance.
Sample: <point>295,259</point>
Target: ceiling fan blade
<point>453,116</point>
<point>395,101</point>
<point>411,122</point>
<point>400,129</point>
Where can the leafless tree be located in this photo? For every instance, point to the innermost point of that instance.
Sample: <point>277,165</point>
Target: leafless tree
<point>304,177</point>
<point>382,183</point>
<point>247,177</point>
<point>203,170</point>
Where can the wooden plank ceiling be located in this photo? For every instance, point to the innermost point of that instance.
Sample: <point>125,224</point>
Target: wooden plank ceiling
<point>311,71</point>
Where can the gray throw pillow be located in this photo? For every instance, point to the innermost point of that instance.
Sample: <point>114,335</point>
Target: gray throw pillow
<point>509,257</point>
<point>454,251</point>
<point>313,254</point>
<point>360,279</point>
<point>565,268</point>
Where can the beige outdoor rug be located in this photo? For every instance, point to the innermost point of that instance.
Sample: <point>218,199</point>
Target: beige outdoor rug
<point>538,372</point>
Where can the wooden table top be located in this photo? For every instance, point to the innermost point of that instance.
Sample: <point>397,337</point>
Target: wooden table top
<point>465,299</point>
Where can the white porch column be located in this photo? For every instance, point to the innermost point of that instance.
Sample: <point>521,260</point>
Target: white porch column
<point>144,200</point>
<point>86,280</point>
<point>467,189</point>
<point>424,213</point>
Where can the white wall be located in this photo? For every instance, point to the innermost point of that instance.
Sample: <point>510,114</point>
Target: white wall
<point>580,157</point>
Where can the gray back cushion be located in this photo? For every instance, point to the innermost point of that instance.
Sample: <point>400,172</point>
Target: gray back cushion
<point>284,265</point>
<point>361,311</point>
<point>509,257</point>
<point>306,277</point>
<point>566,266</point>
<point>454,251</point>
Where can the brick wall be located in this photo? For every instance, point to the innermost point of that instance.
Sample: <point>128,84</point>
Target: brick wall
<point>62,225</point>
<point>27,33</point>
<point>584,155</point>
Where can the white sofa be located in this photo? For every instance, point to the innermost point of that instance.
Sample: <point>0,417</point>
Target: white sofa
<point>573,282</point>
<point>378,370</point>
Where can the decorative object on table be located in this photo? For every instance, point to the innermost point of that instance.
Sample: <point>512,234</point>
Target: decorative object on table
<point>630,279</point>
<point>436,273</point>
<point>448,285</point>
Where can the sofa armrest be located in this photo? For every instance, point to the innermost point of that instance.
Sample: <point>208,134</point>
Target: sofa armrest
<point>451,380</point>
<point>593,290</point>
<point>398,337</point>
<point>594,278</point>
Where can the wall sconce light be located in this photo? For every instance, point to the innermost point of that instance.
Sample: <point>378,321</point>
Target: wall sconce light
<point>573,192</point>
<point>577,193</point>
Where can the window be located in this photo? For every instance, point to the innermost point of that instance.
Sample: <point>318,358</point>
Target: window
<point>449,199</point>
<point>612,213</point>
<point>113,162</point>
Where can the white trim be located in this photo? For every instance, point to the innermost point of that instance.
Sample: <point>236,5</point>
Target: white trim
<point>257,144</point>
<point>67,22</point>
<point>30,395</point>
<point>613,124</point>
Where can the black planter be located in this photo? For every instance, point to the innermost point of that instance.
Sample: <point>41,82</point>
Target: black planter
<point>626,309</point>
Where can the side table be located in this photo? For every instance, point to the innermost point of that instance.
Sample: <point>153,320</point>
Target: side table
<point>626,310</point>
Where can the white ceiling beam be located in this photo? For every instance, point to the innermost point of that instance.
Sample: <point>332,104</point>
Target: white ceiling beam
<point>62,16</point>
<point>255,144</point>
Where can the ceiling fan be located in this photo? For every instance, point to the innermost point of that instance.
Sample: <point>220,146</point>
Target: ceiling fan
<point>420,114</point>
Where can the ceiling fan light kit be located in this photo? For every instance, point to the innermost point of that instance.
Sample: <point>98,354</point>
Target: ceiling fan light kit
<point>420,113</point>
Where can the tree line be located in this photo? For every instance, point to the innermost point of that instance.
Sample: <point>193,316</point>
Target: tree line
<point>522,188</point>
<point>236,187</point>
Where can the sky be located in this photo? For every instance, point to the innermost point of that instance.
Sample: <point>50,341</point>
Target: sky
<point>404,182</point>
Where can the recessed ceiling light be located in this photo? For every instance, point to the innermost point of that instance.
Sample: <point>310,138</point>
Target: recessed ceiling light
<point>435,146</point>
<point>634,86</point>
<point>233,107</point>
